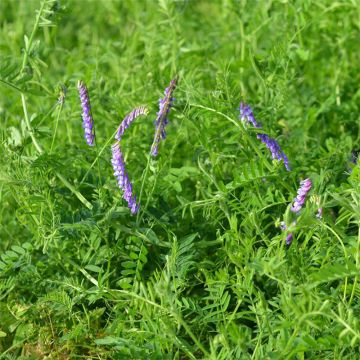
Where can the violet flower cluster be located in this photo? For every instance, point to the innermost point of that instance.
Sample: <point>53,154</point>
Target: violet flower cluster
<point>301,195</point>
<point>162,116</point>
<point>122,177</point>
<point>275,149</point>
<point>88,123</point>
<point>246,115</point>
<point>142,110</point>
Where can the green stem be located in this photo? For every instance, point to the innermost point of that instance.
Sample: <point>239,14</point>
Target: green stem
<point>11,85</point>
<point>28,125</point>
<point>56,126</point>
<point>98,156</point>
<point>74,191</point>
<point>145,173</point>
<point>357,260</point>
<point>36,25</point>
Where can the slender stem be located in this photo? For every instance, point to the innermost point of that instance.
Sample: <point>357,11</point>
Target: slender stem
<point>74,191</point>
<point>56,126</point>
<point>145,173</point>
<point>357,265</point>
<point>11,85</point>
<point>98,156</point>
<point>28,125</point>
<point>36,25</point>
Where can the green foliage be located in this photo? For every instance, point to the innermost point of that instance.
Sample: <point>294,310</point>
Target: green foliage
<point>203,271</point>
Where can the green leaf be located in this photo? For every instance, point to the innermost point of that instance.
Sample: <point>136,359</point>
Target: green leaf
<point>93,268</point>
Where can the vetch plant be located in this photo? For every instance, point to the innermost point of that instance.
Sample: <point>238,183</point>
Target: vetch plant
<point>162,116</point>
<point>247,116</point>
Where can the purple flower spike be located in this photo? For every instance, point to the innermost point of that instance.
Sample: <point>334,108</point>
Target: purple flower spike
<point>301,195</point>
<point>275,149</point>
<point>247,115</point>
<point>88,122</point>
<point>162,119</point>
<point>122,177</point>
<point>142,110</point>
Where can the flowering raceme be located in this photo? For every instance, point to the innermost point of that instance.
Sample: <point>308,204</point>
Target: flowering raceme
<point>162,116</point>
<point>301,195</point>
<point>275,149</point>
<point>122,177</point>
<point>142,110</point>
<point>246,115</point>
<point>88,122</point>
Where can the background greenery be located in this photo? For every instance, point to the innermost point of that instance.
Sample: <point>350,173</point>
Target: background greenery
<point>203,272</point>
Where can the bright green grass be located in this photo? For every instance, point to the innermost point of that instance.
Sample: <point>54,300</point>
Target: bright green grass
<point>203,272</point>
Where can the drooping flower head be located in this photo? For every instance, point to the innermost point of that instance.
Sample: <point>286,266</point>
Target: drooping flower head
<point>275,149</point>
<point>122,177</point>
<point>301,195</point>
<point>88,123</point>
<point>246,115</point>
<point>142,110</point>
<point>162,116</point>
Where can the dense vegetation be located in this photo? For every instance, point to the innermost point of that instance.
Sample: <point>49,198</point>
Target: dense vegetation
<point>203,270</point>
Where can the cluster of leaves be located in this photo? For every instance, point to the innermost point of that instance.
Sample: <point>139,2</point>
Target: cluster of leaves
<point>203,272</point>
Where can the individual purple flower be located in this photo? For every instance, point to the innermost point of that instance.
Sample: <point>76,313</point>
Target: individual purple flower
<point>122,177</point>
<point>319,214</point>
<point>301,195</point>
<point>246,115</point>
<point>88,123</point>
<point>142,110</point>
<point>289,238</point>
<point>275,149</point>
<point>162,116</point>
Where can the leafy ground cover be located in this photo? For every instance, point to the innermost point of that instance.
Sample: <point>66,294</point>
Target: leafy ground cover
<point>202,271</point>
